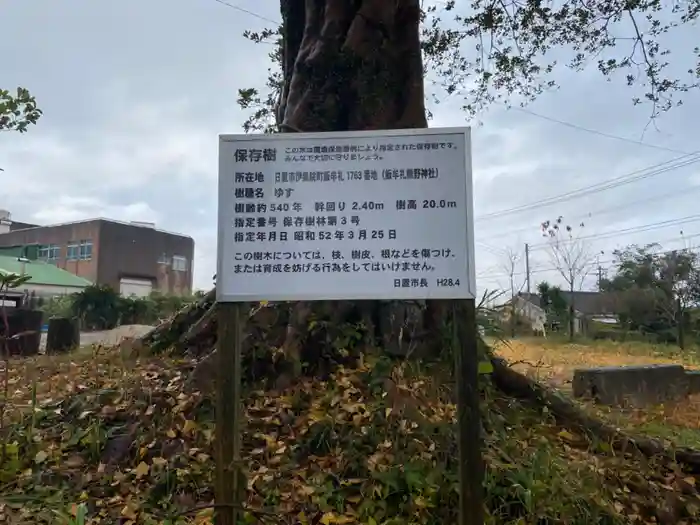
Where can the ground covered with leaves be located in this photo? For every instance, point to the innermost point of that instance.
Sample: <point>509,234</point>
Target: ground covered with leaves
<point>553,361</point>
<point>371,443</point>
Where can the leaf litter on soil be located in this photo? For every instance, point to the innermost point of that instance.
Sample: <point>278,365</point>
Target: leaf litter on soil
<point>372,443</point>
<point>553,362</point>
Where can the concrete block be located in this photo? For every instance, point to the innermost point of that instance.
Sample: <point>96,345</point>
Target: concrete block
<point>693,380</point>
<point>635,386</point>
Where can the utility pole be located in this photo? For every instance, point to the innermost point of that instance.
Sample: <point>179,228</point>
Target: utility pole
<point>527,266</point>
<point>600,271</point>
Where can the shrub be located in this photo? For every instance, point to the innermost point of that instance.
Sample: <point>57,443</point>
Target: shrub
<point>102,308</point>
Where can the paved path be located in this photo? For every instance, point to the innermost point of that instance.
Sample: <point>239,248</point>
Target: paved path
<point>108,337</point>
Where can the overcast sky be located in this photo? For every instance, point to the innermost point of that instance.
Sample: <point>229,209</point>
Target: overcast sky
<point>135,94</point>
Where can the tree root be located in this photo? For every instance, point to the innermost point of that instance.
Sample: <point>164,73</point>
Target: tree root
<point>567,413</point>
<point>193,331</point>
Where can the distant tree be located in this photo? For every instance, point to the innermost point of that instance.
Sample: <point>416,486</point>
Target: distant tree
<point>572,258</point>
<point>511,263</point>
<point>553,303</point>
<point>656,289</point>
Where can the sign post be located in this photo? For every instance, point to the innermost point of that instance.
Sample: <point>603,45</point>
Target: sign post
<point>347,216</point>
<point>227,487</point>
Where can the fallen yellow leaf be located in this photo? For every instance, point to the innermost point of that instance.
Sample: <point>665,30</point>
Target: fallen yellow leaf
<point>141,470</point>
<point>129,513</point>
<point>329,518</point>
<point>305,490</point>
<point>189,427</point>
<point>420,502</point>
<point>566,435</point>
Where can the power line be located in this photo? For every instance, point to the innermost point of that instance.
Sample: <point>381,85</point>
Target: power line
<point>247,11</point>
<point>596,132</point>
<point>494,276</point>
<point>493,249</point>
<point>605,211</point>
<point>612,183</point>
<point>651,171</point>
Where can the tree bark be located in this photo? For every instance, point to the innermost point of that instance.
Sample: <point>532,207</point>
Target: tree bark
<point>355,66</point>
<point>351,65</point>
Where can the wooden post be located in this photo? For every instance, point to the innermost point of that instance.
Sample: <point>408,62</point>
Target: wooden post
<point>471,467</point>
<point>227,493</point>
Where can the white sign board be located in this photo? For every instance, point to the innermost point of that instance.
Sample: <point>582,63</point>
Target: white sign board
<point>351,215</point>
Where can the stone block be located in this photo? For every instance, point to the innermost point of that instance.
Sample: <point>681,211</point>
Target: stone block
<point>693,380</point>
<point>631,386</point>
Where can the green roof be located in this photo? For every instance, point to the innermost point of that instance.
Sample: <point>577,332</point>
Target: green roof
<point>41,272</point>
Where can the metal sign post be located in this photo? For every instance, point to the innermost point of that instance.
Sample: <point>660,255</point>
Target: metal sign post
<point>363,215</point>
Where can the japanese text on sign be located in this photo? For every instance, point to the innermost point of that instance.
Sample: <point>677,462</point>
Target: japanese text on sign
<point>371,215</point>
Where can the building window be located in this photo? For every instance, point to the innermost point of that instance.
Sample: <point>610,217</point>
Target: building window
<point>163,259</point>
<point>72,251</point>
<point>179,263</point>
<point>85,250</point>
<point>49,252</point>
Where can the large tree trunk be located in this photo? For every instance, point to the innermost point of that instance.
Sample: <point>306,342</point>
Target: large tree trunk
<point>356,66</point>
<point>351,65</point>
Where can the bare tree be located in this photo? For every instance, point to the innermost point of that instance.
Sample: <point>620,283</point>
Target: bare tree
<point>572,258</point>
<point>512,261</point>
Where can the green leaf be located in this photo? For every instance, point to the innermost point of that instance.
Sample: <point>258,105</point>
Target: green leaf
<point>485,367</point>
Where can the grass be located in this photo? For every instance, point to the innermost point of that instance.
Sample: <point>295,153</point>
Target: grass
<point>677,423</point>
<point>125,441</point>
<point>554,360</point>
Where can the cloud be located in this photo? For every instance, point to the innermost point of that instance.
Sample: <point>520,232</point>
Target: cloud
<point>66,209</point>
<point>135,95</point>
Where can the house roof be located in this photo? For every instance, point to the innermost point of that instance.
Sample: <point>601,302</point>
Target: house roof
<point>587,303</point>
<point>16,225</point>
<point>135,224</point>
<point>41,272</point>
